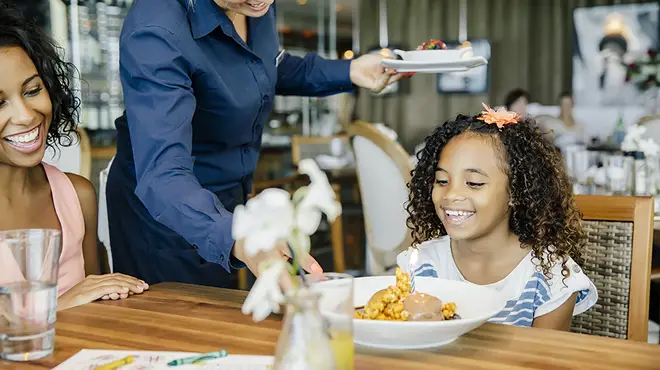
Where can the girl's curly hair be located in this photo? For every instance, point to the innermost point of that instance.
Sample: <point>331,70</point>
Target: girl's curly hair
<point>55,72</point>
<point>543,215</point>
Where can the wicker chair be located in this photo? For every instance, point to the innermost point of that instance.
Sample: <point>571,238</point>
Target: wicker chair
<point>618,260</point>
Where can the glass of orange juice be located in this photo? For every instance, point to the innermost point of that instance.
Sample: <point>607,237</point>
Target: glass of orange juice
<point>336,307</point>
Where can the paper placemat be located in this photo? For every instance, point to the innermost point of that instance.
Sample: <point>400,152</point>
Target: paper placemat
<point>88,359</point>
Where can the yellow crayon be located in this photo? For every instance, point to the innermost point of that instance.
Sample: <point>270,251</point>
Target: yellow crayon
<point>116,364</point>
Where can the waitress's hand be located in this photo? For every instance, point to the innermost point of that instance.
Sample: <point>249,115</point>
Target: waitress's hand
<point>281,250</point>
<point>368,72</point>
<point>109,286</point>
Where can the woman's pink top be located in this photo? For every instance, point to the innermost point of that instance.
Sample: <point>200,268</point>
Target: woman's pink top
<point>69,213</point>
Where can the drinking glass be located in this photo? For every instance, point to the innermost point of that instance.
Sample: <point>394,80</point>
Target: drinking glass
<point>336,307</point>
<point>28,293</point>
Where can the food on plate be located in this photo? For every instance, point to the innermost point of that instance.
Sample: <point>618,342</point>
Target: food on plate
<point>465,45</point>
<point>433,45</point>
<point>397,303</point>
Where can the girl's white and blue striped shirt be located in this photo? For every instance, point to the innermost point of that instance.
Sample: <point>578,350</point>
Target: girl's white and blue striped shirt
<point>530,293</point>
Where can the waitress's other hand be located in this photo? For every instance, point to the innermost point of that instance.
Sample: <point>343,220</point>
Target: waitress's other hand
<point>281,250</point>
<point>368,72</point>
<point>93,287</point>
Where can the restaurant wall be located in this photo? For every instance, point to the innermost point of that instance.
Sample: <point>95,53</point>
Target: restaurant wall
<point>531,48</point>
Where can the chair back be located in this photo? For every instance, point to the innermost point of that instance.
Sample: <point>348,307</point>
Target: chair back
<point>619,234</point>
<point>384,171</point>
<point>76,158</point>
<point>103,225</point>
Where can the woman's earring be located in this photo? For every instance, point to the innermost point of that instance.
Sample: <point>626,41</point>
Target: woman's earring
<point>511,203</point>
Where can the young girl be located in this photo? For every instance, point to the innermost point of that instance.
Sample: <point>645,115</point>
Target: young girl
<point>38,109</point>
<point>491,204</point>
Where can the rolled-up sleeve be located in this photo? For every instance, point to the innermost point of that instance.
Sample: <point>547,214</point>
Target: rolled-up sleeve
<point>313,76</point>
<point>160,105</point>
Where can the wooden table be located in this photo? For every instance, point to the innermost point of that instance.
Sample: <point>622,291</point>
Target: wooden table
<point>177,317</point>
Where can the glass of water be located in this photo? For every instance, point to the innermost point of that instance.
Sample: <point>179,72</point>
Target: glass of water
<point>336,307</point>
<point>28,293</point>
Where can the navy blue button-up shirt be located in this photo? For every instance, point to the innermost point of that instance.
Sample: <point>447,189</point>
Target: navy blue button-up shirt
<point>197,97</point>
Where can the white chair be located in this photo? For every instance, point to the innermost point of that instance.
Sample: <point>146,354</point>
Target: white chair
<point>383,169</point>
<point>103,228</point>
<point>76,158</point>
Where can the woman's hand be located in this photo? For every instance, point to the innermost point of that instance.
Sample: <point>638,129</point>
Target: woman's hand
<point>368,72</point>
<point>307,262</point>
<point>109,286</point>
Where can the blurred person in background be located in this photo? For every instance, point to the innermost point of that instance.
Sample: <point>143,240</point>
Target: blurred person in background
<point>517,101</point>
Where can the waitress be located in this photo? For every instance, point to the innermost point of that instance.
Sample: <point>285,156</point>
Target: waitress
<point>199,78</point>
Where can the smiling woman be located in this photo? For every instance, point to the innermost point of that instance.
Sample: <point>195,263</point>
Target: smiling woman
<point>37,110</point>
<point>57,106</point>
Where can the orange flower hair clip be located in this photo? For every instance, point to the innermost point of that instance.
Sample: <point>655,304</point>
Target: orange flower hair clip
<point>500,117</point>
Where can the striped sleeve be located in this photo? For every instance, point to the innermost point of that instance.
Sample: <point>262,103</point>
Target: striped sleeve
<point>561,289</point>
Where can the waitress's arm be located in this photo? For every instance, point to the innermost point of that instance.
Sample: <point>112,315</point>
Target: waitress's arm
<point>313,76</point>
<point>160,104</point>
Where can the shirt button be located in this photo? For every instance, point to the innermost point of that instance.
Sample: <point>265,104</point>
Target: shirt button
<point>266,98</point>
<point>222,257</point>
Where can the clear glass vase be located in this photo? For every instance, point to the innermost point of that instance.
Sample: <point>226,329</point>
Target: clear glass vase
<point>304,342</point>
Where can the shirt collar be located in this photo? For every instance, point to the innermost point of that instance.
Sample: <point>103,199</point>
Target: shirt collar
<point>205,17</point>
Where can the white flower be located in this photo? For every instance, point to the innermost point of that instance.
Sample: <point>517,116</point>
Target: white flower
<point>636,132</point>
<point>629,145</point>
<point>318,197</point>
<point>264,220</point>
<point>633,142</point>
<point>299,242</point>
<point>649,147</point>
<point>266,295</point>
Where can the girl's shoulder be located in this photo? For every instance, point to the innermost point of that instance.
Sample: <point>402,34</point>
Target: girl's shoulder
<point>554,288</point>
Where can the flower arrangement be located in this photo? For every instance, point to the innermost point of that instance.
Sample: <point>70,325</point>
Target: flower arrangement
<point>645,72</point>
<point>633,142</point>
<point>273,217</point>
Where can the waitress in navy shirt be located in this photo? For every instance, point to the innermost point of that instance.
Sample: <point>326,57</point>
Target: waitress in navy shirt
<point>199,78</point>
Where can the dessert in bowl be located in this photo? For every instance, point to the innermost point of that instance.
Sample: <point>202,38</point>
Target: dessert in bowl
<point>436,51</point>
<point>439,311</point>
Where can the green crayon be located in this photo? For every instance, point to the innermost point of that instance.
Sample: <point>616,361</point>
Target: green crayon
<point>198,359</point>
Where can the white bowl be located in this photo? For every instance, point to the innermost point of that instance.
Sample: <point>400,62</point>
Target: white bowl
<point>435,55</point>
<point>475,304</point>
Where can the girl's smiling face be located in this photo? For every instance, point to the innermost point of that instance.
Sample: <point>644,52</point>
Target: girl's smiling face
<point>471,189</point>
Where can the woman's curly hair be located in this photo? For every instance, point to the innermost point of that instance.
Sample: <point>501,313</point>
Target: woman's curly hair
<point>543,213</point>
<point>55,72</point>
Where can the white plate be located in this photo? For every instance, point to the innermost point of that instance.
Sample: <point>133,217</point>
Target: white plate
<point>475,304</point>
<point>457,65</point>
